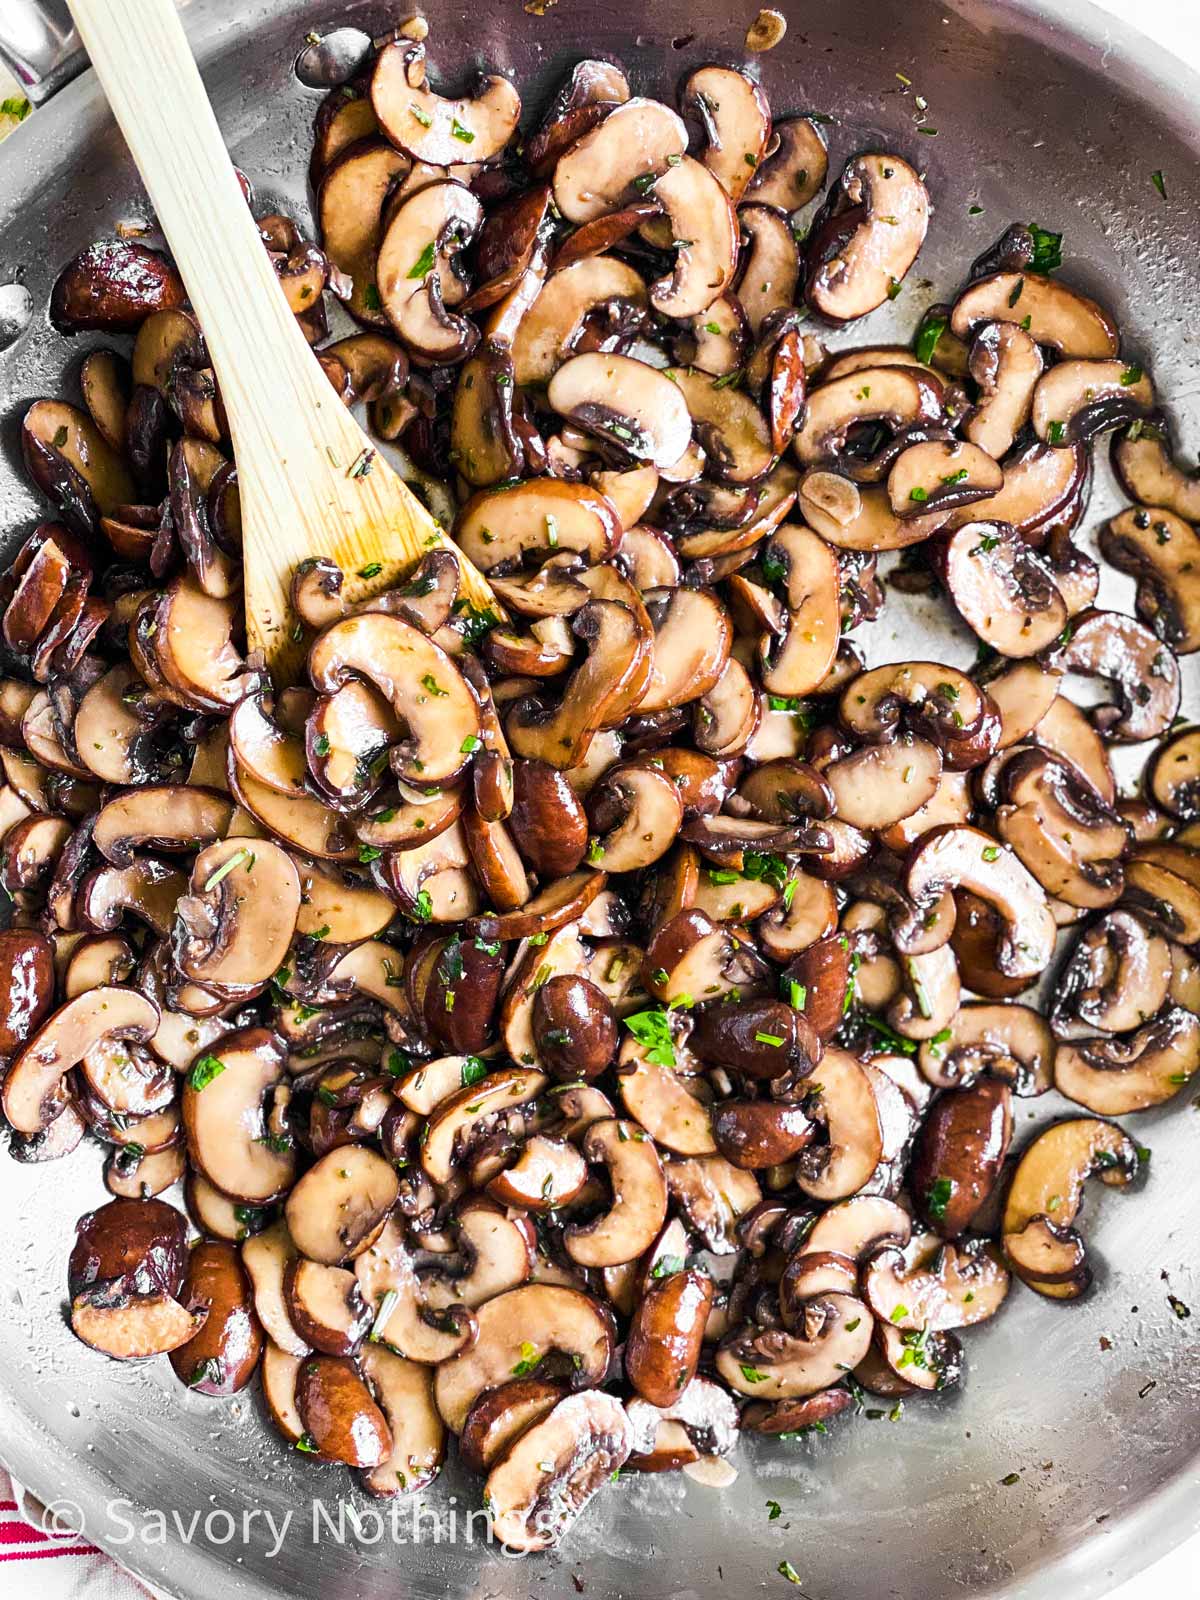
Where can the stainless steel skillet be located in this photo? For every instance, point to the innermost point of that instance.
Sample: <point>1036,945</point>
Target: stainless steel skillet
<point>1044,111</point>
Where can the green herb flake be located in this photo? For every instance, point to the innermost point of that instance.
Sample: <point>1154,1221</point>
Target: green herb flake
<point>16,107</point>
<point>774,1510</point>
<point>528,1362</point>
<point>1130,376</point>
<point>422,117</point>
<point>928,334</point>
<point>423,265</point>
<point>772,1039</point>
<point>1047,250</point>
<point>1056,432</point>
<point>752,1374</point>
<point>938,1198</point>
<point>785,1569</point>
<point>1160,183</point>
<point>652,1029</point>
<point>457,131</point>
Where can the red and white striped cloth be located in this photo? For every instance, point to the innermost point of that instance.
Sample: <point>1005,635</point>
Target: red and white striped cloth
<point>54,1567</point>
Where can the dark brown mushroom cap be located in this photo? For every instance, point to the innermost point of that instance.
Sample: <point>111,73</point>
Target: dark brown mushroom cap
<point>959,1155</point>
<point>339,1415</point>
<point>665,1336</point>
<point>763,1039</point>
<point>26,986</point>
<point>139,1244</point>
<point>575,1028</point>
<point>114,285</point>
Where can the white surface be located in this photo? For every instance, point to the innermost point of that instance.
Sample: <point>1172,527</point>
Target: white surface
<point>1175,24</point>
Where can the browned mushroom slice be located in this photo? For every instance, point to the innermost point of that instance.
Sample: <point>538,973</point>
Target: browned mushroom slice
<point>1012,1042</point>
<point>1144,1069</point>
<point>1042,484</point>
<point>770,271</point>
<point>347,738</point>
<point>1065,730</point>
<point>131,1327</point>
<point>425,689</point>
<point>1022,692</point>
<point>339,1206</point>
<point>341,1419</point>
<point>731,428</point>
<point>457,1119</point>
<point>1118,975</point>
<point>692,955</point>
<point>545,1479</point>
<point>574,292</point>
<point>1161,883</point>
<point>404,1390</point>
<point>548,1173</point>
<point>1040,1242</point>
<point>560,734</point>
<point>69,459</point>
<point>879,785</point>
<point>1076,400</point>
<point>799,662</point>
<point>703,229</point>
<point>160,817</point>
<point>724,720</point>
<point>1162,552</point>
<point>301,822</point>
<point>1003,589</point>
<point>235,926</point>
<point>941,476</point>
<point>692,638</point>
<point>636,813</point>
<point>1050,312</point>
<point>591,92</point>
<point>437,130</point>
<point>735,117</point>
<point>500,526</point>
<point>1144,673</point>
<point>639,1190</point>
<point>832,1335</point>
<point>33,1092</point>
<point>960,1152</point>
<point>1066,836</point>
<point>1006,363</point>
<point>791,173</point>
<point>502,1415</point>
<point>430,879</point>
<point>226,1124</point>
<point>966,858</point>
<point>933,700</point>
<point>536,1328</point>
<point>854,517</point>
<point>190,636</point>
<point>866,237</point>
<point>618,159</point>
<point>386,1276</point>
<point>417,274</point>
<point>350,195</point>
<point>900,397</point>
<point>1143,460</point>
<point>846,1105</point>
<point>626,403</point>
<point>264,750</point>
<point>715,339</point>
<point>1174,775</point>
<point>956,1288</point>
<point>113,285</point>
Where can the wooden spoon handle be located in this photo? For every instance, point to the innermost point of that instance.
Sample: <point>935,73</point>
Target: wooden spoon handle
<point>142,58</point>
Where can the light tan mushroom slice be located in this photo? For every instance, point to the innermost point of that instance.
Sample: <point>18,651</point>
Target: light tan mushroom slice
<point>857,517</point>
<point>346,908</point>
<point>131,1327</point>
<point>733,431</point>
<point>160,817</point>
<point>1022,692</point>
<point>496,1248</point>
<point>548,329</point>
<point>1040,1242</point>
<point>266,751</point>
<point>617,159</point>
<point>662,1102</point>
<point>561,734</point>
<point>1050,312</point>
<point>450,1124</point>
<point>539,1322</point>
<point>415,271</point>
<point>144,1176</point>
<point>1004,589</point>
<point>881,784</point>
<point>431,879</point>
<point>636,814</point>
<point>435,129</point>
<point>225,1120</point>
<point>626,402</point>
<point>126,1078</point>
<point>724,720</point>
<point>966,858</point>
<point>855,1228</point>
<point>1150,474</point>
<point>500,526</point>
<point>387,1278</point>
<point>833,1334</point>
<point>692,638</point>
<point>704,232</point>
<point>94,959</point>
<point>630,494</point>
<point>1009,1041</point>
<point>1114,1076</point>
<point>792,173</point>
<point>639,1188</point>
<point>718,337</point>
<point>735,116</point>
<point>421,683</point>
<point>870,239</point>
<point>1006,363</point>
<point>236,924</point>
<point>1144,673</point>
<point>847,1105</point>
<point>33,1095</point>
<point>278,1371</point>
<point>340,1205</point>
<point>768,275</point>
<point>798,663</point>
<point>941,475</point>
<point>950,803</point>
<point>546,1478</point>
<point>1162,552</point>
<point>901,397</point>
<point>1065,730</point>
<point>108,732</point>
<point>404,1390</point>
<point>1078,398</point>
<point>104,382</point>
<point>1072,845</point>
<point>301,822</point>
<point>957,1288</point>
<point>40,735</point>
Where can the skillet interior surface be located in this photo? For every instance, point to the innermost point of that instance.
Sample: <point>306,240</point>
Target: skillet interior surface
<point>1043,112</point>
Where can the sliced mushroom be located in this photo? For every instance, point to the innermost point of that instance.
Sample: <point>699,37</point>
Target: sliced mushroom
<point>1115,1076</point>
<point>846,1105</point>
<point>966,858</point>
<point>546,1478</point>
<point>1076,400</point>
<point>959,1154</point>
<point>833,1335</point>
<point>957,1288</point>
<point>735,435</point>
<point>1161,551</point>
<point>1049,311</point>
<point>639,1197</point>
<point>433,129</point>
<point>695,200</point>
<point>625,403</point>
<point>569,297</point>
<point>1144,462</point>
<point>1069,840</point>
<point>34,1092</point>
<point>1040,1242</point>
<point>866,237</point>
<point>1144,673</point>
<point>620,158</point>
<point>1006,364</point>
<point>417,274</point>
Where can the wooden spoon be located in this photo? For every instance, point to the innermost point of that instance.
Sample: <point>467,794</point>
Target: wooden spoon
<point>311,481</point>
